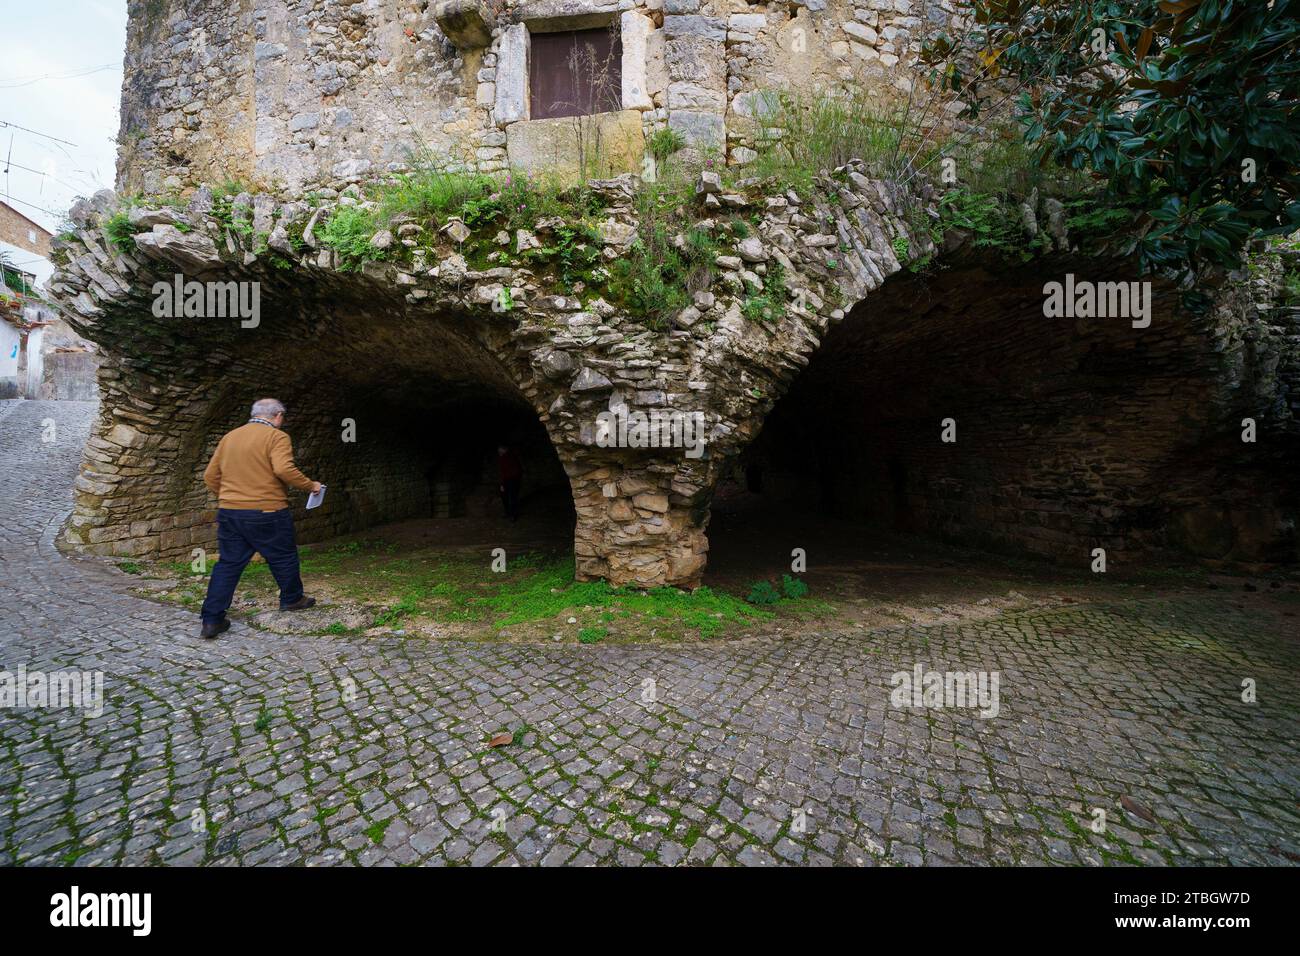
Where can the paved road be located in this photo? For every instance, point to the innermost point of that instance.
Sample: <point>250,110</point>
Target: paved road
<point>272,749</point>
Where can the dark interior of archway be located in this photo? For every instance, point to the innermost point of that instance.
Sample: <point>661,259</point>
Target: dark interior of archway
<point>427,453</point>
<point>429,459</point>
<point>1070,434</point>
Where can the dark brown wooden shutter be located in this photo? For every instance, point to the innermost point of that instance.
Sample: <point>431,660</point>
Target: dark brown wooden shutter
<point>575,73</point>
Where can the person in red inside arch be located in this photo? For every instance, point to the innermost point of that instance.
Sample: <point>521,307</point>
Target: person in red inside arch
<point>512,476</point>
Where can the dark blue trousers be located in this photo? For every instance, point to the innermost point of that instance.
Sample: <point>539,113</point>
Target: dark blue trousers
<point>510,497</point>
<point>239,534</point>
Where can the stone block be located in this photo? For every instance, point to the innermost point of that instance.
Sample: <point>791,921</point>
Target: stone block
<point>574,148</point>
<point>634,30</point>
<point>692,96</point>
<point>656,64</point>
<point>192,251</point>
<point>466,23</point>
<point>757,104</point>
<point>745,27</point>
<point>699,129</point>
<point>512,75</point>
<point>705,28</point>
<point>861,32</point>
<point>651,501</point>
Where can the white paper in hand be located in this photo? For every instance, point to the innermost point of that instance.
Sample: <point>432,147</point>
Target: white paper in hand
<point>315,498</point>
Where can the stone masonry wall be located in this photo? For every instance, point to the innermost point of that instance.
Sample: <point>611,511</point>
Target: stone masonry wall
<point>292,95</point>
<point>301,101</point>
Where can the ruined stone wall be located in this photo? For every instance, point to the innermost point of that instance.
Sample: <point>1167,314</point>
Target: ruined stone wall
<point>169,510</point>
<point>172,388</point>
<point>304,99</point>
<point>292,95</point>
<point>187,110</point>
<point>286,94</point>
<point>429,327</point>
<point>1070,435</point>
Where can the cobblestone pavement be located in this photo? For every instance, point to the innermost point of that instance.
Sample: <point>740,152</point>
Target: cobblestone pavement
<point>270,749</point>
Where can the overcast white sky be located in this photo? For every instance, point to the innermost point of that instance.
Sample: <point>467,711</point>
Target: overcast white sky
<point>42,44</point>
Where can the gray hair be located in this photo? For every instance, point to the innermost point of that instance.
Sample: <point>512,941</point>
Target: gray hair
<point>267,408</point>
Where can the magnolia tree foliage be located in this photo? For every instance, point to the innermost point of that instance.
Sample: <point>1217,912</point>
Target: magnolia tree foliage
<point>1186,109</point>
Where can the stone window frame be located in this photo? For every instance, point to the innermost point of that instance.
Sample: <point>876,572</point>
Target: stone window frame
<point>513,60</point>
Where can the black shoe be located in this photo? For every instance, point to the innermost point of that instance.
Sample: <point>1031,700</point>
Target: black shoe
<point>301,604</point>
<point>211,630</point>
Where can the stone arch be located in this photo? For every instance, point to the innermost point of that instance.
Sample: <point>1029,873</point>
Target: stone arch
<point>642,513</point>
<point>1071,433</point>
<point>342,350</point>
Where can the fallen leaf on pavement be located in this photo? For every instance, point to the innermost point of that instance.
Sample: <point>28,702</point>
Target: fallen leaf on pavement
<point>1135,808</point>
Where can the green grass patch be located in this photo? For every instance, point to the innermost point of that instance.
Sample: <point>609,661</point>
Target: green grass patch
<point>409,604</point>
<point>431,193</point>
<point>663,142</point>
<point>797,135</point>
<point>347,232</point>
<point>765,592</point>
<point>793,588</point>
<point>769,304</point>
<point>120,232</point>
<point>401,587</point>
<point>552,591</point>
<point>229,189</point>
<point>592,635</point>
<point>669,261</point>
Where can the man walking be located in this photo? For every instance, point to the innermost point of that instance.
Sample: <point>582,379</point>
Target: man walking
<point>248,474</point>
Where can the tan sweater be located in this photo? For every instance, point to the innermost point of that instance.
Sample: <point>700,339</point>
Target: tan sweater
<point>251,466</point>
